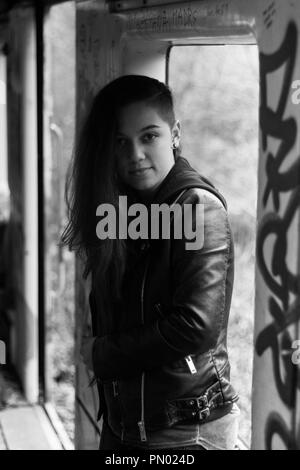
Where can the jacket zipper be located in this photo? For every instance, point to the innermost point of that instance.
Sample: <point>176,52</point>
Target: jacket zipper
<point>188,359</point>
<point>190,364</point>
<point>141,423</point>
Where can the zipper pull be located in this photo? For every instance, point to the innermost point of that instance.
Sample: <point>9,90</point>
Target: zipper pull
<point>115,387</point>
<point>191,364</point>
<point>141,426</point>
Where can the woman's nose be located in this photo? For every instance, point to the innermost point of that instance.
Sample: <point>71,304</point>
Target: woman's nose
<point>136,152</point>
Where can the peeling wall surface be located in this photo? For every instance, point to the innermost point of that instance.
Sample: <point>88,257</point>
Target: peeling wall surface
<point>104,45</point>
<point>15,240</point>
<point>21,237</point>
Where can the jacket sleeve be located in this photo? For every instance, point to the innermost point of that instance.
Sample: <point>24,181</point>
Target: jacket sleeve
<point>194,323</point>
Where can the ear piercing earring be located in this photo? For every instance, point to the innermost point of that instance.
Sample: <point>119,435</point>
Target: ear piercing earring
<point>175,145</point>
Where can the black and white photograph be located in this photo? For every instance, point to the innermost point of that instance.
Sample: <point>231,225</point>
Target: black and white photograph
<point>149,227</point>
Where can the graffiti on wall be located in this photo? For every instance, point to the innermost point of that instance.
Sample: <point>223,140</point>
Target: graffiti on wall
<point>268,14</point>
<point>160,20</point>
<point>283,284</point>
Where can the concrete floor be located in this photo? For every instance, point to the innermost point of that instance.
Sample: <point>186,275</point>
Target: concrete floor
<point>27,428</point>
<point>23,426</point>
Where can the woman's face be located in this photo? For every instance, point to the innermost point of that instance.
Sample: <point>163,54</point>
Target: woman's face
<point>144,147</point>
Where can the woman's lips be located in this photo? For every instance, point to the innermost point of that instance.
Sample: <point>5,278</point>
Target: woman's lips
<point>139,172</point>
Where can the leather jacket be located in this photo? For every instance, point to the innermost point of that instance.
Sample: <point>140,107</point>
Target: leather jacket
<point>166,358</point>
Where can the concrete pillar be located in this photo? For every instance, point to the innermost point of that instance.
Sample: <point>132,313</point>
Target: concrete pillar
<point>30,214</point>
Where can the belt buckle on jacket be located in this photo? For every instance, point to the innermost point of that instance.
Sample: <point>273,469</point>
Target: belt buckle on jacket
<point>203,407</point>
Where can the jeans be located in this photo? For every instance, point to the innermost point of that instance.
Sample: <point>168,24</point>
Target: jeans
<point>109,441</point>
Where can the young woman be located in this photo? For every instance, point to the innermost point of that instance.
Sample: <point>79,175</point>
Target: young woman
<point>159,305</point>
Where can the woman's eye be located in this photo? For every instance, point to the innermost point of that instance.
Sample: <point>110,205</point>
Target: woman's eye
<point>121,142</point>
<point>149,137</point>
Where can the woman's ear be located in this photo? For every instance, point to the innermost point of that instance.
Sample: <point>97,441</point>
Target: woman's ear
<point>178,125</point>
<point>176,134</point>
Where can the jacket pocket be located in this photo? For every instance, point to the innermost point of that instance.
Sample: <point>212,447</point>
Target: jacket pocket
<point>185,364</point>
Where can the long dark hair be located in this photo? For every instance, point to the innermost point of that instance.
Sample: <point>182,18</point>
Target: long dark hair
<point>92,179</point>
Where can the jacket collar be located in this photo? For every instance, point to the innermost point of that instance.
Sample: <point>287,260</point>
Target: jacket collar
<point>182,176</point>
